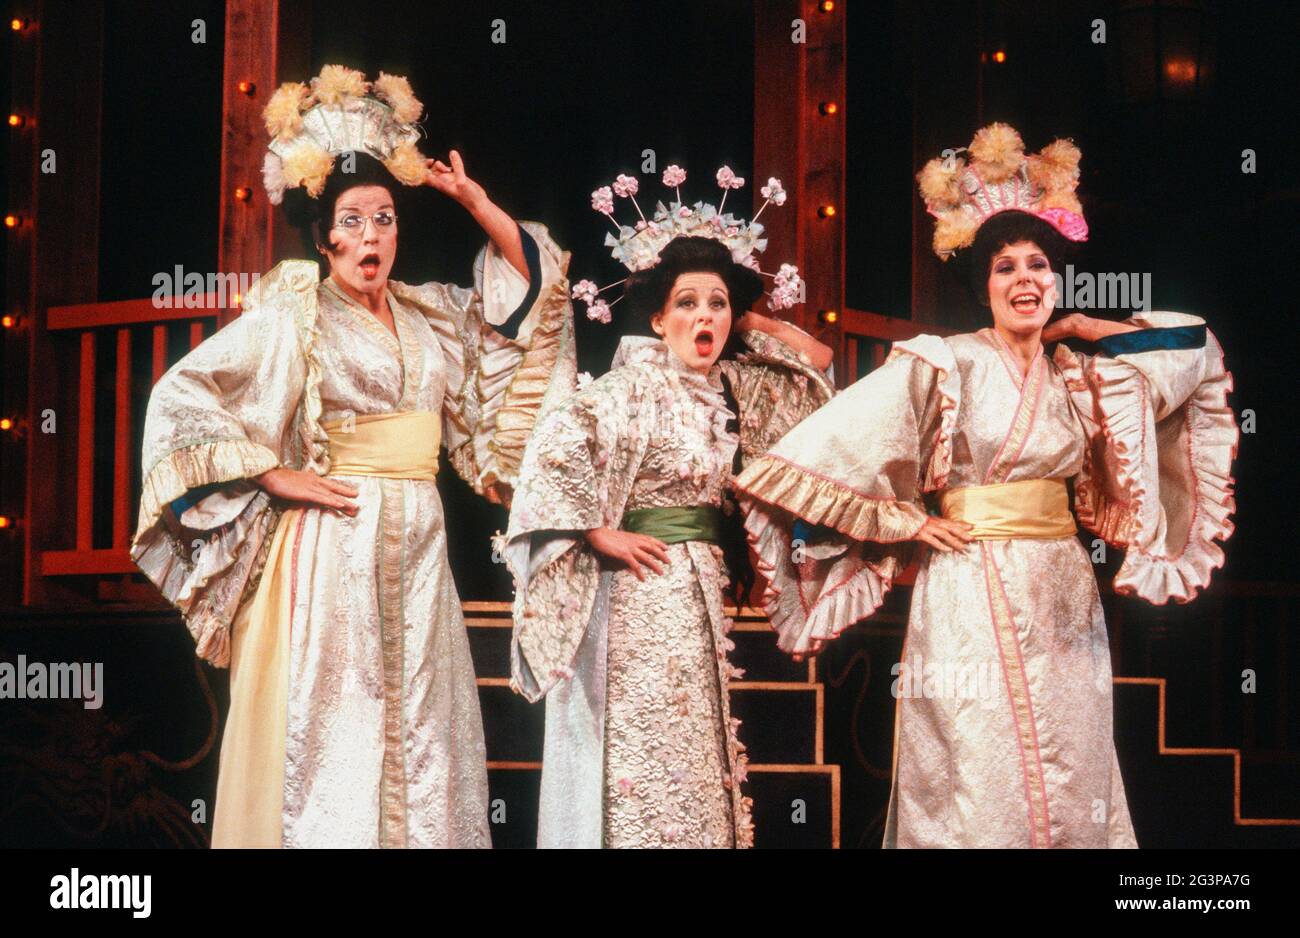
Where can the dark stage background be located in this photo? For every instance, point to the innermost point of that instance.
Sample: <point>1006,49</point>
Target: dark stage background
<point>571,99</point>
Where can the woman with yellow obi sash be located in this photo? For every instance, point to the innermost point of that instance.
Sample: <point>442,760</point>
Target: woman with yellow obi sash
<point>622,542</point>
<point>290,508</point>
<point>1015,749</point>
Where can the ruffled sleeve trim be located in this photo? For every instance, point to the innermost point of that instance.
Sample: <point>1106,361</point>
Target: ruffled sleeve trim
<point>1111,489</point>
<point>185,572</point>
<point>935,353</point>
<point>579,471</point>
<point>498,384</point>
<point>891,431</point>
<point>813,599</point>
<point>204,463</point>
<point>549,362</point>
<point>802,489</point>
<point>206,571</point>
<point>818,500</point>
<point>1160,488</point>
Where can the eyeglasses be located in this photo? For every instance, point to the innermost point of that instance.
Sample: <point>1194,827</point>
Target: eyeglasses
<point>357,223</point>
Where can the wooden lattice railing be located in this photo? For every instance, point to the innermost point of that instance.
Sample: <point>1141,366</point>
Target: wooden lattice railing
<point>88,325</point>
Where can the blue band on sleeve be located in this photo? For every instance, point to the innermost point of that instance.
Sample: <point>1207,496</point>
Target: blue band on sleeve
<point>193,497</point>
<point>809,533</point>
<point>1153,340</point>
<point>802,531</point>
<point>510,328</point>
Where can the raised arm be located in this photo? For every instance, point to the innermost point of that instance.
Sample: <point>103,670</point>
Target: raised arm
<point>499,226</point>
<point>818,354</point>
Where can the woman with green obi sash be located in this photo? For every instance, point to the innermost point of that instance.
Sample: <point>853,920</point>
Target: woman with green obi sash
<point>623,540</point>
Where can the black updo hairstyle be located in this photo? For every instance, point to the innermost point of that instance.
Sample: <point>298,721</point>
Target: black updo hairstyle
<point>1007,228</point>
<point>646,292</point>
<point>314,218</point>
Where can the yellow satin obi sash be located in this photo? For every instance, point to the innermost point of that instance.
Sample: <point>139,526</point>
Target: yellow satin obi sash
<point>391,446</point>
<point>1030,508</point>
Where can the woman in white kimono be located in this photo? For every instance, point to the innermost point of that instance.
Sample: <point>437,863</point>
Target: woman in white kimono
<point>617,540</point>
<point>290,509</point>
<point>1003,721</point>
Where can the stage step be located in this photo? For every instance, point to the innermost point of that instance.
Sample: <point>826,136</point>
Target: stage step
<point>778,701</point>
<point>1166,785</point>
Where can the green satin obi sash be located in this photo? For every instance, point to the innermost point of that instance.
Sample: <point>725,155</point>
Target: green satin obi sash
<point>675,525</point>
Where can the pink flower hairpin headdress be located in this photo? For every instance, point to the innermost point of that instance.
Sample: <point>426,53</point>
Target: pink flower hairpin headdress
<point>638,246</point>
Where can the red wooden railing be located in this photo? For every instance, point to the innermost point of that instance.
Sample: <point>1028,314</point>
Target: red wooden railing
<point>867,338</point>
<point>88,324</point>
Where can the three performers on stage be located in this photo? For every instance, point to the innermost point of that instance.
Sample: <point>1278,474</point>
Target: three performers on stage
<point>290,509</point>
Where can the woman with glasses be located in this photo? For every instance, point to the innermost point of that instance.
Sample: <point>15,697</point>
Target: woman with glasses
<point>290,508</point>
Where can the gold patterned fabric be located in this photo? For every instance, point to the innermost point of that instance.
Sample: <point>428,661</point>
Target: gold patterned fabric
<point>640,748</point>
<point>1003,723</point>
<point>382,738</point>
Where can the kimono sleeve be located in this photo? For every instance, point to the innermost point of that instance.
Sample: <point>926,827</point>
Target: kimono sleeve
<point>577,474</point>
<point>774,390</point>
<point>508,349</point>
<point>1157,477</point>
<point>856,470</point>
<point>220,416</point>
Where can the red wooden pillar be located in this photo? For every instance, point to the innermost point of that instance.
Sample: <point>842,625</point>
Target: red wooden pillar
<point>267,42</point>
<point>53,259</point>
<point>799,138</point>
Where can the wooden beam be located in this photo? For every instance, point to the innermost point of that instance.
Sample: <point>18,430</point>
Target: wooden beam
<point>128,312</point>
<point>57,72</point>
<point>85,443</point>
<point>267,42</point>
<point>158,357</point>
<point>122,440</point>
<point>83,562</point>
<point>888,328</point>
<point>804,147</point>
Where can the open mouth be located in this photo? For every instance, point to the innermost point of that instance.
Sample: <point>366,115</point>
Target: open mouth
<point>1026,303</point>
<point>703,343</point>
<point>370,265</point>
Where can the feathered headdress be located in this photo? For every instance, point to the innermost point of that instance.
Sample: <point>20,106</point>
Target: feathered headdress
<point>340,111</point>
<point>995,175</point>
<point>637,247</point>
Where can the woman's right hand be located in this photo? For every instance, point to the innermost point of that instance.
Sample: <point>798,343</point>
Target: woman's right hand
<point>944,534</point>
<point>629,550</point>
<point>300,485</point>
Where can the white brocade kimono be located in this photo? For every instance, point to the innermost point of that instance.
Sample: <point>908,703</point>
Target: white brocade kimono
<point>640,748</point>
<point>1004,715</point>
<point>354,717</point>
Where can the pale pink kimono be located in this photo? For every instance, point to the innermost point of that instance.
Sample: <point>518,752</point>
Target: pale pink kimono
<point>1004,714</point>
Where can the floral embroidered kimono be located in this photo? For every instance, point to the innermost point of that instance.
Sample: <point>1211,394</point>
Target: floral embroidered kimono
<point>354,716</point>
<point>1003,722</point>
<point>641,749</point>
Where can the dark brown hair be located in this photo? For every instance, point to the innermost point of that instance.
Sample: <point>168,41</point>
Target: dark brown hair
<point>646,291</point>
<point>1007,228</point>
<point>314,218</point>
